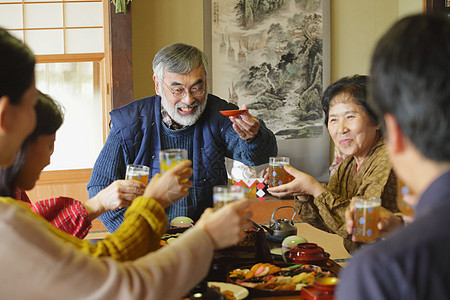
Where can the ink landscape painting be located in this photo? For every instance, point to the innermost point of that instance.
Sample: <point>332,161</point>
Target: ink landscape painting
<point>268,54</point>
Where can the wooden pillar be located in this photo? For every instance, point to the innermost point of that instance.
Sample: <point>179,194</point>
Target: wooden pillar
<point>121,57</point>
<point>437,6</point>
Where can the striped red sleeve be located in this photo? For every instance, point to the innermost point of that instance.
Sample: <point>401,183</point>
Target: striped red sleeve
<point>66,214</point>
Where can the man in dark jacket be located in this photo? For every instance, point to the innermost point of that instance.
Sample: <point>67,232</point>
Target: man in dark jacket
<point>409,87</point>
<point>181,115</point>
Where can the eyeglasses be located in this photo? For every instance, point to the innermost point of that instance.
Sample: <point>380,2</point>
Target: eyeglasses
<point>181,92</point>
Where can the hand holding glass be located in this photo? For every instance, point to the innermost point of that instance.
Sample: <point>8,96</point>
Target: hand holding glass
<point>171,157</point>
<point>138,173</point>
<point>277,173</point>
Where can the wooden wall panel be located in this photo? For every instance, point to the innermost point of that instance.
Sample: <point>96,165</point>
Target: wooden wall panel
<point>69,183</point>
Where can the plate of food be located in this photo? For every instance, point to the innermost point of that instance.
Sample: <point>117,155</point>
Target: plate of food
<point>231,291</point>
<point>233,113</point>
<point>265,279</point>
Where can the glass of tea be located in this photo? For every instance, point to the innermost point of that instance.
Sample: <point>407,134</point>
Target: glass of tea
<point>224,194</point>
<point>366,217</point>
<point>277,173</point>
<point>171,157</point>
<point>405,208</point>
<point>138,173</point>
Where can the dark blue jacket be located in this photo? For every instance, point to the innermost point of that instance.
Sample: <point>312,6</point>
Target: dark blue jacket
<point>137,127</point>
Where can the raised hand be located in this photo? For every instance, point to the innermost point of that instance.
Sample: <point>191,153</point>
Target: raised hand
<point>172,185</point>
<point>245,125</point>
<point>387,223</point>
<point>226,226</point>
<point>303,184</point>
<point>118,194</point>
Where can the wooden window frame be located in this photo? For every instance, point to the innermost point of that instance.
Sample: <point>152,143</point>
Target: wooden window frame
<point>64,28</point>
<point>120,51</point>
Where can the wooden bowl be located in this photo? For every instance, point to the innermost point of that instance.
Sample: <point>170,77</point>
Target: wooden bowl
<point>307,253</point>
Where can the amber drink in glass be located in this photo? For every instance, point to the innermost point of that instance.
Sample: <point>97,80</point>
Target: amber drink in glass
<point>404,207</point>
<point>225,194</point>
<point>138,172</point>
<point>277,173</point>
<point>171,157</point>
<point>366,216</point>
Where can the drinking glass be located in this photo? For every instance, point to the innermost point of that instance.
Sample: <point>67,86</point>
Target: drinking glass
<point>405,208</point>
<point>277,174</point>
<point>171,157</point>
<point>367,214</point>
<point>138,173</point>
<point>224,194</point>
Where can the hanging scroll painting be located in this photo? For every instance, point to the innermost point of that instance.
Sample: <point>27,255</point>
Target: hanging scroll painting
<point>273,56</point>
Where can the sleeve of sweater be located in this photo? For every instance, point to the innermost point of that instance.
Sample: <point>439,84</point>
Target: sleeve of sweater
<point>144,223</point>
<point>46,263</point>
<point>252,152</point>
<point>66,214</point>
<point>140,233</point>
<point>109,166</point>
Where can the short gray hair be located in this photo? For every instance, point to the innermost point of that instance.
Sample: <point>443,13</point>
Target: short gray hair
<point>178,58</point>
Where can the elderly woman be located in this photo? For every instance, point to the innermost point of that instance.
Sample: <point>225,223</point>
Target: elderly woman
<point>366,170</point>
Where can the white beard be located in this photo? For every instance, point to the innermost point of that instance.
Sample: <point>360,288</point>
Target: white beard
<point>185,120</point>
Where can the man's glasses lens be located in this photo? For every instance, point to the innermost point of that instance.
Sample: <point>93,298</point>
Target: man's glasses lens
<point>181,92</point>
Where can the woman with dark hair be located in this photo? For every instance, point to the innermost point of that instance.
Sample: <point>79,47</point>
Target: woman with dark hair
<point>64,213</point>
<point>49,117</point>
<point>366,170</point>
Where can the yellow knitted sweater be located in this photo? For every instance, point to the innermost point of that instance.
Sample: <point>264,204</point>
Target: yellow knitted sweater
<point>144,223</point>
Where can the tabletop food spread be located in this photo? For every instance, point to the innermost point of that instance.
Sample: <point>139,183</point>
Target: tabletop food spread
<point>250,270</point>
<point>277,279</point>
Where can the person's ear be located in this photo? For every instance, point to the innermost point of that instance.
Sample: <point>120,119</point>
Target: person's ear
<point>155,80</point>
<point>394,136</point>
<point>4,103</point>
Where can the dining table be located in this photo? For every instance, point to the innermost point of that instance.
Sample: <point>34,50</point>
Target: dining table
<point>263,209</point>
<point>263,212</point>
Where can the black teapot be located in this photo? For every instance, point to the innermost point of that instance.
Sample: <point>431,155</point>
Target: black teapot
<point>281,228</point>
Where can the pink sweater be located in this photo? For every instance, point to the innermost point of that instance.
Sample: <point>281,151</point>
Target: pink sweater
<point>50,268</point>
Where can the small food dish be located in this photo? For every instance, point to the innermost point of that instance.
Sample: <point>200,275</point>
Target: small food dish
<point>292,241</point>
<point>323,288</point>
<point>307,253</point>
<point>327,284</point>
<point>277,252</point>
<point>206,293</point>
<point>181,222</point>
<point>232,113</point>
<point>239,292</point>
